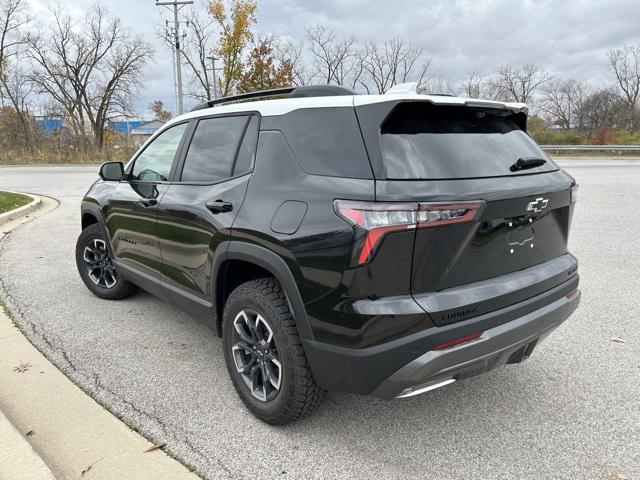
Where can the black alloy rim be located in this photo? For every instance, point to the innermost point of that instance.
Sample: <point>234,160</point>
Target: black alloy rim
<point>256,356</point>
<point>99,265</point>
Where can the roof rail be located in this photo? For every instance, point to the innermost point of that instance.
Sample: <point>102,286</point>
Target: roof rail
<point>289,92</point>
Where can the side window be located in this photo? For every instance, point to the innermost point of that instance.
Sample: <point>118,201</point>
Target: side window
<point>247,152</point>
<point>213,149</point>
<point>154,163</point>
<point>327,141</point>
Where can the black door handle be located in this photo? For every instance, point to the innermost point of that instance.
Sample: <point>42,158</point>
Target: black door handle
<point>218,206</point>
<point>148,202</point>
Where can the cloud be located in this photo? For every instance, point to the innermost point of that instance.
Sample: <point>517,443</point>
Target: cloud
<point>568,38</point>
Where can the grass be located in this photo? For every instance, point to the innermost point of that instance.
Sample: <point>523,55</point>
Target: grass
<point>5,309</point>
<point>9,314</point>
<point>10,201</point>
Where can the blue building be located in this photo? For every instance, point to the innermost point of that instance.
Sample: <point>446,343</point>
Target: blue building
<point>141,133</point>
<point>124,126</point>
<point>138,131</point>
<point>50,125</point>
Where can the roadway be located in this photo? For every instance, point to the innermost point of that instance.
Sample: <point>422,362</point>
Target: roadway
<point>572,411</point>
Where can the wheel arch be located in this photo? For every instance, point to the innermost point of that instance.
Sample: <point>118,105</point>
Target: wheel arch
<point>265,261</point>
<point>91,214</point>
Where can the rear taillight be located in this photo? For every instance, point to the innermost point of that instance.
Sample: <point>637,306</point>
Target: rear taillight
<point>372,220</point>
<point>574,194</point>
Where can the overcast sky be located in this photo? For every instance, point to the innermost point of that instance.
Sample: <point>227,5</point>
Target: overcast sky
<point>568,38</point>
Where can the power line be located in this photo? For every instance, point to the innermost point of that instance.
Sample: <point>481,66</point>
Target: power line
<point>176,6</point>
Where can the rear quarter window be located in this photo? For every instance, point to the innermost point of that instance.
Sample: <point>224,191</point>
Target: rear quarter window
<point>327,141</point>
<point>423,141</point>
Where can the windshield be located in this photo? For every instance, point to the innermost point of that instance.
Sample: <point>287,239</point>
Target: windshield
<point>423,141</point>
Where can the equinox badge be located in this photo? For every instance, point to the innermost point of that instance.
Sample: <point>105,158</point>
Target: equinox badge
<point>538,205</point>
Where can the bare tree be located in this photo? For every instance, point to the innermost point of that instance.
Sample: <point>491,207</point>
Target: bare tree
<point>334,60</point>
<point>12,18</point>
<point>557,104</point>
<point>474,84</point>
<point>580,94</point>
<point>602,108</point>
<point>395,61</point>
<point>291,52</point>
<point>15,88</point>
<point>91,67</point>
<point>563,103</point>
<point>625,64</point>
<point>438,86</point>
<point>516,85</point>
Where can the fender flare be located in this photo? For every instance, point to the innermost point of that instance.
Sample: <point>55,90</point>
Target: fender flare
<point>96,211</point>
<point>270,261</point>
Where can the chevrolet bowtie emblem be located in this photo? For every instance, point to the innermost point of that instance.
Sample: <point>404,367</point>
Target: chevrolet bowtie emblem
<point>538,205</point>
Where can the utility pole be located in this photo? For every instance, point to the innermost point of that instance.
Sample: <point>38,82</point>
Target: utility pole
<point>175,33</point>
<point>215,83</point>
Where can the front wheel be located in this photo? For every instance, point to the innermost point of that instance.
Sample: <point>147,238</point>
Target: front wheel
<point>264,354</point>
<point>96,267</point>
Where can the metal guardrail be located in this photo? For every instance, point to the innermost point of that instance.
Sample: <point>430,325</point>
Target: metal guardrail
<point>592,148</point>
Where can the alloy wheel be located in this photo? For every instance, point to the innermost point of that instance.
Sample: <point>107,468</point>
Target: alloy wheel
<point>99,265</point>
<point>255,354</point>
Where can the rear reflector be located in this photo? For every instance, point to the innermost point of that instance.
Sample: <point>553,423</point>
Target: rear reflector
<point>457,341</point>
<point>572,293</point>
<point>373,220</point>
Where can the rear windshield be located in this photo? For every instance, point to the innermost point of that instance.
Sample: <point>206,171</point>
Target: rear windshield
<point>423,141</point>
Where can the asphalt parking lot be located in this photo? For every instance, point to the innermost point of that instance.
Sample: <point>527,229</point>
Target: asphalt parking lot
<point>571,412</point>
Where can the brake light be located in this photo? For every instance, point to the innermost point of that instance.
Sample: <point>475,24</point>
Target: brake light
<point>373,220</point>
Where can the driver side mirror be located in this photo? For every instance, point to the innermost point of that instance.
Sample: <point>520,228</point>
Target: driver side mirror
<point>111,171</point>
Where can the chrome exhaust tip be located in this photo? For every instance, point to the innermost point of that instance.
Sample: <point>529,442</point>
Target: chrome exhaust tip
<point>412,391</point>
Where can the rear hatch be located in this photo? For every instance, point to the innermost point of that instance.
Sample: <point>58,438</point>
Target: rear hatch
<point>496,209</point>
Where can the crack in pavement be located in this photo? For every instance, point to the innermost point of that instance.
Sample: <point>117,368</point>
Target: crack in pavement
<point>91,383</point>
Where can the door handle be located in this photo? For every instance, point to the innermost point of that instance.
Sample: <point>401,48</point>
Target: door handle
<point>218,206</point>
<point>148,202</point>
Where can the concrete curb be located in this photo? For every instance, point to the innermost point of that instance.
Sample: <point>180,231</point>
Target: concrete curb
<point>36,203</point>
<point>17,458</point>
<point>70,433</point>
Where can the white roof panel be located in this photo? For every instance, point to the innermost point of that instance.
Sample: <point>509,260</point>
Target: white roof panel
<point>282,106</point>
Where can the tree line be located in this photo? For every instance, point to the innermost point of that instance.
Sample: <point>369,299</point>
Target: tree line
<point>90,69</point>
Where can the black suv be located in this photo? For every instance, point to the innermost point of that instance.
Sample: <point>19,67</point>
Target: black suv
<point>374,244</point>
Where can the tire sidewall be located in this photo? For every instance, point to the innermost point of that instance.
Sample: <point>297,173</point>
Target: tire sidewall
<point>247,298</point>
<point>94,232</point>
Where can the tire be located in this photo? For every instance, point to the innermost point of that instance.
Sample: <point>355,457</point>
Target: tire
<point>91,251</point>
<point>298,393</point>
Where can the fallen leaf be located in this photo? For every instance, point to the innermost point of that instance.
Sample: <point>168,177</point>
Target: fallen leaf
<point>620,476</point>
<point>155,446</point>
<point>82,473</point>
<point>23,367</point>
<point>29,433</point>
<point>617,340</point>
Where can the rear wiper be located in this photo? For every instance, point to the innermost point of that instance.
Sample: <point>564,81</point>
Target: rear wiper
<point>527,162</point>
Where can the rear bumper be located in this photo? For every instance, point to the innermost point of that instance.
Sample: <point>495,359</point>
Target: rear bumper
<point>398,367</point>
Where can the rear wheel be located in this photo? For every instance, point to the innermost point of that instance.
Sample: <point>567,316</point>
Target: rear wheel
<point>96,267</point>
<point>264,354</point>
